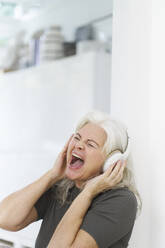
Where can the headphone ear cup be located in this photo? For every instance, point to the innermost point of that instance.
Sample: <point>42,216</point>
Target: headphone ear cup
<point>111,160</point>
<point>117,156</point>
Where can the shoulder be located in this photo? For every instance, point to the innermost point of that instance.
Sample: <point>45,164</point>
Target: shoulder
<point>120,199</point>
<point>120,193</point>
<point>115,211</point>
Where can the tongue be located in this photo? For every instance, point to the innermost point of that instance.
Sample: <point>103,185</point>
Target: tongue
<point>78,163</point>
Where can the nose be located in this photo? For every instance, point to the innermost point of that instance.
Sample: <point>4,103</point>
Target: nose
<point>79,145</point>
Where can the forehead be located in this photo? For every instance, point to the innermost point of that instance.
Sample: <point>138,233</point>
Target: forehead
<point>93,131</point>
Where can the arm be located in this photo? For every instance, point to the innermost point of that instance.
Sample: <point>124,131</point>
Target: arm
<point>19,205</point>
<point>72,220</point>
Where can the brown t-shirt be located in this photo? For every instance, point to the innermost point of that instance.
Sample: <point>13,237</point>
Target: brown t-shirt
<point>109,219</point>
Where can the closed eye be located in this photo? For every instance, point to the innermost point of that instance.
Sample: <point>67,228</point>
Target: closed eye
<point>76,138</point>
<point>91,145</point>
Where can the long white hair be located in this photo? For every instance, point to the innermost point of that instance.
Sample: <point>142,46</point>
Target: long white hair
<point>117,139</point>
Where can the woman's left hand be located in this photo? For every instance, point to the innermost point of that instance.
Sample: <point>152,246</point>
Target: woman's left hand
<point>107,180</point>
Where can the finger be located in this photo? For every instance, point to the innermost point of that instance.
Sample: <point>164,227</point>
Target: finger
<point>119,171</point>
<point>124,163</point>
<point>116,169</point>
<point>121,168</point>
<point>110,169</point>
<point>119,176</point>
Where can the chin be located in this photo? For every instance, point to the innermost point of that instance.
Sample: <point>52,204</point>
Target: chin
<point>71,175</point>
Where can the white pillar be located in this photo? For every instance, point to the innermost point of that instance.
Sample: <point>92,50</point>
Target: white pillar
<point>130,97</point>
<point>157,123</point>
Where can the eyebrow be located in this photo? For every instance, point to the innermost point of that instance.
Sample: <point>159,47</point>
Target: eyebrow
<point>90,140</point>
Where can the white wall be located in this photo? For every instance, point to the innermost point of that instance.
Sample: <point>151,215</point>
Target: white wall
<point>130,97</point>
<point>157,124</point>
<point>138,98</point>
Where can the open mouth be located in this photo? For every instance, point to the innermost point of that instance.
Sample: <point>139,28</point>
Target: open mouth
<point>76,162</point>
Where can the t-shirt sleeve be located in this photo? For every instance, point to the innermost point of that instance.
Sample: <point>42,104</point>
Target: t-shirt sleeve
<point>43,203</point>
<point>110,217</point>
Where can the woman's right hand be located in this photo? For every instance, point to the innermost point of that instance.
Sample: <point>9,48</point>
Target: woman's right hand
<point>58,170</point>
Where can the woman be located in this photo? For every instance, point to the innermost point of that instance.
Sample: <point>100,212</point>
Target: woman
<point>81,206</point>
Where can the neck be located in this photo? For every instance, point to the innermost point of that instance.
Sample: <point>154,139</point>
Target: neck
<point>80,183</point>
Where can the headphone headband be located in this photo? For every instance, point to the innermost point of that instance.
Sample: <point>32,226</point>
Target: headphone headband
<point>127,150</point>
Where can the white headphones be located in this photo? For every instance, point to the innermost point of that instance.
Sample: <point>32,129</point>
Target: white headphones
<point>117,156</point>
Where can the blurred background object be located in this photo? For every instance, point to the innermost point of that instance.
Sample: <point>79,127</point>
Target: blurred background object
<point>6,244</point>
<point>35,32</point>
<point>51,44</point>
